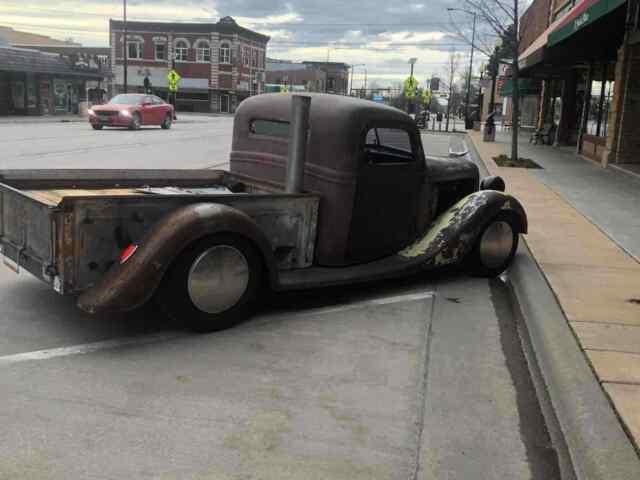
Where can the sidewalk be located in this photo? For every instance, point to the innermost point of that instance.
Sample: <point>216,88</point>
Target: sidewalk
<point>18,119</point>
<point>584,232</point>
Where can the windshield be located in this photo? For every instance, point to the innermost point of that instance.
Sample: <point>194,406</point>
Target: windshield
<point>127,99</point>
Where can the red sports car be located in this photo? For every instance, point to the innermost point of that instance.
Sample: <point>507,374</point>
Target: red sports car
<point>132,110</point>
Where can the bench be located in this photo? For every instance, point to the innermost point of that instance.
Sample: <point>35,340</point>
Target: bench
<point>543,134</point>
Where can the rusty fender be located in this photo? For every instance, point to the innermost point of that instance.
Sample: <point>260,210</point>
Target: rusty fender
<point>454,233</point>
<point>130,285</point>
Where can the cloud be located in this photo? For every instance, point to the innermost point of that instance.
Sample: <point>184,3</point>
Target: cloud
<point>381,34</point>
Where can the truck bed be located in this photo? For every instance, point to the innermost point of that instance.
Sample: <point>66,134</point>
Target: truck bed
<point>68,227</point>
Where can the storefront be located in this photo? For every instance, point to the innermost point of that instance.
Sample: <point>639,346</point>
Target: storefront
<point>36,83</point>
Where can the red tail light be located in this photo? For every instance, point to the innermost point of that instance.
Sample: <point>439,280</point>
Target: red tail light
<point>127,253</point>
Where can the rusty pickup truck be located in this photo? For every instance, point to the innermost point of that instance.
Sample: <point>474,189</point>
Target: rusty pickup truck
<point>322,190</point>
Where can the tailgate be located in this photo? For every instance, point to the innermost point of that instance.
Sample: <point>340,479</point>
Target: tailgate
<point>27,233</point>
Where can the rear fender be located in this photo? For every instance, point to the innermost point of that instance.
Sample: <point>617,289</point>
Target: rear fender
<point>131,284</point>
<point>454,233</point>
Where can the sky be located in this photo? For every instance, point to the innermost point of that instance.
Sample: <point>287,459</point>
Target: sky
<point>381,34</point>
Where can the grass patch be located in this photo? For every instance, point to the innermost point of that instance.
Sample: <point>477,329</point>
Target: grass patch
<point>504,161</point>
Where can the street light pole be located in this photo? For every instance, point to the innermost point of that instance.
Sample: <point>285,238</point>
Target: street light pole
<point>124,45</point>
<point>412,62</point>
<point>473,41</point>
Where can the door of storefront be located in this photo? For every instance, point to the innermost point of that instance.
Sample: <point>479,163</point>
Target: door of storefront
<point>224,103</point>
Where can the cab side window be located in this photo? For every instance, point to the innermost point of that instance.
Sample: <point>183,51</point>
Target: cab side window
<point>388,145</point>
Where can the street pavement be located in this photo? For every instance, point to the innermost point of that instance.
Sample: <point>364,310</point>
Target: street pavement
<point>422,378</point>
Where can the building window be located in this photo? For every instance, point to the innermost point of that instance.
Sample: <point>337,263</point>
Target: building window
<point>245,56</point>
<point>161,51</point>
<point>203,52</point>
<point>182,50</point>
<point>254,58</point>
<point>134,49</point>
<point>225,53</point>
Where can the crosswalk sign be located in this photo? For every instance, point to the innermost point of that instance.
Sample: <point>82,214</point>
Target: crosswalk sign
<point>410,87</point>
<point>173,77</point>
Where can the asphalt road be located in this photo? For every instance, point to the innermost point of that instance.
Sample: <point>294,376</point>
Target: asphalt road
<point>416,379</point>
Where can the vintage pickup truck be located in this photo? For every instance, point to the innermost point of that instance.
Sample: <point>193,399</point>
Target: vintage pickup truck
<point>322,190</point>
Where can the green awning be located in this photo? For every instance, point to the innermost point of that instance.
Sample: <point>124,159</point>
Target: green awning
<point>526,86</point>
<point>582,15</point>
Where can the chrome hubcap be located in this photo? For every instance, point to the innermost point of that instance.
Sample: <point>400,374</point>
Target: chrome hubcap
<point>218,278</point>
<point>496,244</point>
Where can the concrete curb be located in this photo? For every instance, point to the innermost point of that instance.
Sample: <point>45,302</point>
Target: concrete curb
<point>595,441</point>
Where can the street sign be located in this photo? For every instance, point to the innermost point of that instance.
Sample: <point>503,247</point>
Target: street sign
<point>410,87</point>
<point>377,98</point>
<point>285,89</point>
<point>173,77</point>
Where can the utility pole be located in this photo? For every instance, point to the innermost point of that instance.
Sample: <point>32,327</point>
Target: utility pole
<point>125,45</point>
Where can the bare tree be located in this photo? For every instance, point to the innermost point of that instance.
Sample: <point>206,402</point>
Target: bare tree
<point>499,21</point>
<point>453,65</point>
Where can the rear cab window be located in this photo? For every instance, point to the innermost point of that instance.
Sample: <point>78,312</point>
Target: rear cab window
<point>388,145</point>
<point>269,128</point>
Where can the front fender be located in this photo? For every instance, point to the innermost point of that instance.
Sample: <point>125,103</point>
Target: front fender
<point>454,233</point>
<point>131,284</point>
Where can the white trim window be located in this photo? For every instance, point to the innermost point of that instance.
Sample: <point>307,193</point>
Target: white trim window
<point>225,53</point>
<point>254,58</point>
<point>134,49</point>
<point>181,51</point>
<point>160,51</point>
<point>245,56</point>
<point>203,51</point>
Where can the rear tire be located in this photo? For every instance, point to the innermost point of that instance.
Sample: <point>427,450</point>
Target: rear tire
<point>214,284</point>
<point>97,127</point>
<point>166,123</point>
<point>495,247</point>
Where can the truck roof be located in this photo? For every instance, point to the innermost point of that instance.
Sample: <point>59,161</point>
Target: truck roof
<point>336,126</point>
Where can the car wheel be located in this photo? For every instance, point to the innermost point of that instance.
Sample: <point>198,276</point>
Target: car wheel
<point>495,247</point>
<point>97,127</point>
<point>214,284</point>
<point>166,123</point>
<point>135,122</point>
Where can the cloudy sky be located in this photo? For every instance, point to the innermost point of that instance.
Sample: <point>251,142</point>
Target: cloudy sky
<point>382,34</point>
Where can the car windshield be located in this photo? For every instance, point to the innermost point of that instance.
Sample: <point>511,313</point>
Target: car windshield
<point>127,99</point>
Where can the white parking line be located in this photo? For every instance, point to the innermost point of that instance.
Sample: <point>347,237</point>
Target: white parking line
<point>86,348</point>
<point>38,355</point>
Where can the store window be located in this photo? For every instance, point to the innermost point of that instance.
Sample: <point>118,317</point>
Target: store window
<point>599,107</point>
<point>225,53</point>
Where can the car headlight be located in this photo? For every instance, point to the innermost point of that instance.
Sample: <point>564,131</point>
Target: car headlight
<point>125,113</point>
<point>91,112</point>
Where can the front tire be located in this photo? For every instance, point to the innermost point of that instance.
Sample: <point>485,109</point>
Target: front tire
<point>136,122</point>
<point>97,127</point>
<point>214,284</point>
<point>495,247</point>
<point>166,123</point>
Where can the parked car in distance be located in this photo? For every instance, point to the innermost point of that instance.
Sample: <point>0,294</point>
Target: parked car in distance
<point>132,110</point>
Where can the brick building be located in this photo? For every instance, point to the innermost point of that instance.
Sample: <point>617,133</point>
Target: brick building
<point>326,77</point>
<point>220,63</point>
<point>586,56</point>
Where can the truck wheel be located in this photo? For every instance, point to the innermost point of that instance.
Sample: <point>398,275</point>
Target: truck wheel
<point>214,284</point>
<point>495,248</point>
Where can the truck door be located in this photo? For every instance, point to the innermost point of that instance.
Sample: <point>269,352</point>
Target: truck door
<point>391,174</point>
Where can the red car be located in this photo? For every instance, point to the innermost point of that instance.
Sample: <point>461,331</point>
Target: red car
<point>132,110</point>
